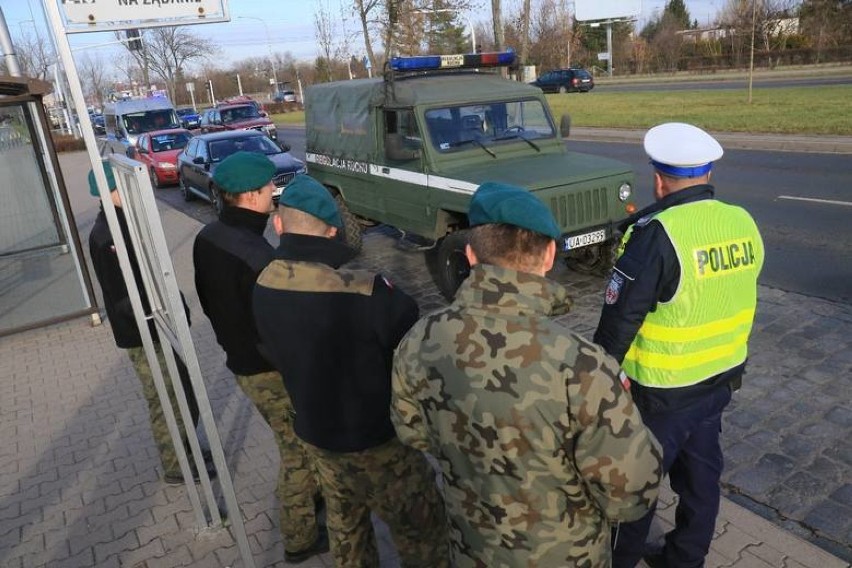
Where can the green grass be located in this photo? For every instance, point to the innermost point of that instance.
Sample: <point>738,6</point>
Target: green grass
<point>796,110</point>
<point>295,117</point>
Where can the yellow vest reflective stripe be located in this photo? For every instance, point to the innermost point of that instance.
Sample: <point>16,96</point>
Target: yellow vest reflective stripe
<point>703,330</point>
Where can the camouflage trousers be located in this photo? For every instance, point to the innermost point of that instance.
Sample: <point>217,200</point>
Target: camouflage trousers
<point>297,482</point>
<point>397,484</point>
<point>158,420</point>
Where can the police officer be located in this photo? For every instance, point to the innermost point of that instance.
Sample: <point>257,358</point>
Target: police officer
<point>677,315</point>
<point>331,332</point>
<point>540,446</point>
<point>126,333</point>
<point>228,255</point>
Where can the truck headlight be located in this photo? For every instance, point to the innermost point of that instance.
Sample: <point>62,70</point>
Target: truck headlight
<point>624,191</point>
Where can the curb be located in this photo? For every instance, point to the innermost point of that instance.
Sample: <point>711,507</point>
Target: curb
<point>730,140</point>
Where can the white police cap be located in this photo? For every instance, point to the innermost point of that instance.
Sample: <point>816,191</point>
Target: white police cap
<point>681,150</point>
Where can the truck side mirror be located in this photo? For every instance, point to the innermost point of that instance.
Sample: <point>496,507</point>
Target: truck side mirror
<point>565,125</point>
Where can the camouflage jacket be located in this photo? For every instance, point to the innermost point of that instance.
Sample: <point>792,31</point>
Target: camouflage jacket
<point>540,446</point>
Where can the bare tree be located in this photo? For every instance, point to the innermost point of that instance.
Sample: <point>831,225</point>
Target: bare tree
<point>366,11</point>
<point>325,30</point>
<point>94,76</point>
<point>497,24</point>
<point>552,35</point>
<point>168,50</point>
<point>34,55</point>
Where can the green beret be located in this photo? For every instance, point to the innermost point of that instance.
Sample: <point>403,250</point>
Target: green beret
<point>244,171</point>
<point>506,204</point>
<point>307,194</point>
<point>93,185</point>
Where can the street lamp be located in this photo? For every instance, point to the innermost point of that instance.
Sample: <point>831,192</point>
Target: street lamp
<point>466,17</point>
<point>269,45</point>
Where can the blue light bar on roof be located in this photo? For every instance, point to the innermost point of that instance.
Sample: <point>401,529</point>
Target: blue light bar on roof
<point>456,61</point>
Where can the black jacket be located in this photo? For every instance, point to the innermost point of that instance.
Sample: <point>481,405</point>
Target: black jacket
<point>647,273</point>
<point>228,255</point>
<point>108,272</point>
<point>331,333</point>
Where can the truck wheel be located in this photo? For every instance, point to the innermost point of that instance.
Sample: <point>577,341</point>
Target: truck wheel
<point>155,181</point>
<point>593,259</point>
<point>216,199</point>
<point>185,191</point>
<point>448,264</point>
<point>351,232</point>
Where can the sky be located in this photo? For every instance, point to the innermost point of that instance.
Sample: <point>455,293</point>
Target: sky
<point>258,26</point>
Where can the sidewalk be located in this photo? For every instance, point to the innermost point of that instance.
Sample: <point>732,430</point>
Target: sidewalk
<point>79,484</point>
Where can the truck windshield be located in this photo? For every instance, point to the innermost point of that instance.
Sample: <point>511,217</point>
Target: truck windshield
<point>146,121</point>
<point>236,114</point>
<point>457,127</point>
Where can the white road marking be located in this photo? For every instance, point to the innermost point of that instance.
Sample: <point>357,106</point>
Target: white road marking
<point>826,201</point>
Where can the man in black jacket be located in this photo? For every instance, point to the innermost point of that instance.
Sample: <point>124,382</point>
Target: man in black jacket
<point>126,334</point>
<point>331,333</point>
<point>228,255</point>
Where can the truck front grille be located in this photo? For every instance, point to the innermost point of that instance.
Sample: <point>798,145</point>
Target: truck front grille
<point>581,208</point>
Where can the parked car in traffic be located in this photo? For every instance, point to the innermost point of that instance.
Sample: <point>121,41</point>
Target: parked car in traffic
<point>189,118</point>
<point>197,163</point>
<point>573,79</point>
<point>98,124</point>
<point>159,150</point>
<point>285,97</point>
<point>242,116</point>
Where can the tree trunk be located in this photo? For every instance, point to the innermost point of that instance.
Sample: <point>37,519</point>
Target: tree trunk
<point>497,24</point>
<point>525,32</point>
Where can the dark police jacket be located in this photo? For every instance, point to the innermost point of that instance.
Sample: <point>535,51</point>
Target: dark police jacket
<point>331,333</point>
<point>651,274</point>
<point>108,271</point>
<point>228,254</point>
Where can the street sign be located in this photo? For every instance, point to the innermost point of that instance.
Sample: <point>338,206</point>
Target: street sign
<point>102,15</point>
<point>367,63</point>
<point>190,87</point>
<point>603,56</point>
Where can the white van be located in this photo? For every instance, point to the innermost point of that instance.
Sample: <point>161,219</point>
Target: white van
<point>126,120</point>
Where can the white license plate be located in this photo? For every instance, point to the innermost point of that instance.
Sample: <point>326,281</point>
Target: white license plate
<point>580,241</point>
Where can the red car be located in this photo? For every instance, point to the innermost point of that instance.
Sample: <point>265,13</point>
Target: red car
<point>158,150</point>
<point>237,116</point>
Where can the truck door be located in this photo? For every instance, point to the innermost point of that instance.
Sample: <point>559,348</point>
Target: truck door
<point>406,197</point>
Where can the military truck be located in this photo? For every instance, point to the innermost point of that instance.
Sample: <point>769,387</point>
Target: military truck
<point>410,148</point>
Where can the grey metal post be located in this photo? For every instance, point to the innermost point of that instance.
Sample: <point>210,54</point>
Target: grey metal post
<point>609,46</point>
<point>8,48</point>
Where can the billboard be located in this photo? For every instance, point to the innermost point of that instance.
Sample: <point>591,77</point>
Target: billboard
<point>586,10</point>
<point>102,15</point>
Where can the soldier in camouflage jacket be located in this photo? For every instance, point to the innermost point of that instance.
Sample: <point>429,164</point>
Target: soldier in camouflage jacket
<point>540,446</point>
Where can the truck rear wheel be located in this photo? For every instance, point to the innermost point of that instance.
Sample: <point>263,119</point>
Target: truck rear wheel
<point>448,264</point>
<point>351,232</point>
<point>593,259</point>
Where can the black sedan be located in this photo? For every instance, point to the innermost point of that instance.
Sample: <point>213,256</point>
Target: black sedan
<point>197,163</point>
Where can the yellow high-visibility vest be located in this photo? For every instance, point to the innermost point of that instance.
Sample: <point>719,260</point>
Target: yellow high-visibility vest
<point>703,330</point>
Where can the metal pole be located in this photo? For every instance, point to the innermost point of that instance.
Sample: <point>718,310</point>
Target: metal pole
<point>239,85</point>
<point>751,57</point>
<point>8,48</point>
<point>609,46</point>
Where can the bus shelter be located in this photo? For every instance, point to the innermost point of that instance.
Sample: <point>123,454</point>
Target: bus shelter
<point>43,276</point>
